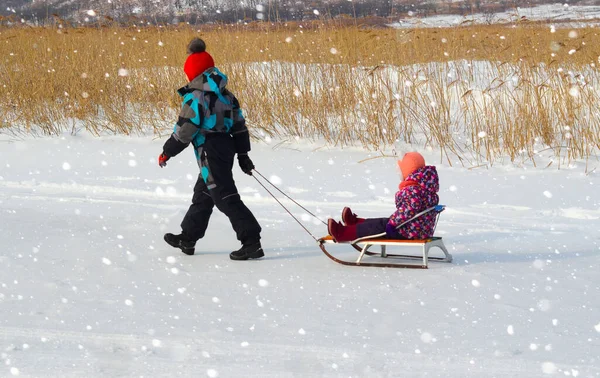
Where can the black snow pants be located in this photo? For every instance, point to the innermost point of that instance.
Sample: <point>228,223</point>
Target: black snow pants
<point>218,157</point>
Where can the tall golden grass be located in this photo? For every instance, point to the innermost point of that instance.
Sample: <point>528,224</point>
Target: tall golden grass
<point>474,92</point>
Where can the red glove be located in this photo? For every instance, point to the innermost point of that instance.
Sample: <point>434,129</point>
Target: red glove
<point>162,160</point>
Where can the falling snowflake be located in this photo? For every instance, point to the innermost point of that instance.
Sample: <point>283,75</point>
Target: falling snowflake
<point>475,283</point>
<point>302,331</point>
<point>316,12</point>
<point>288,39</point>
<point>263,283</point>
<point>66,166</point>
<point>533,346</point>
<point>549,368</point>
<point>482,134</point>
<point>574,91</point>
<point>91,13</point>
<point>547,194</point>
<point>544,305</point>
<point>426,337</point>
<point>212,373</point>
<point>333,50</point>
<point>123,72</point>
<point>510,330</point>
<point>106,261</point>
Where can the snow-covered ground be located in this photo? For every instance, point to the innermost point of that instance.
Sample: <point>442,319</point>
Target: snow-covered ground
<point>562,14</point>
<point>88,287</point>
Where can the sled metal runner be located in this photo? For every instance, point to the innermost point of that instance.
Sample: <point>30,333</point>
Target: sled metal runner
<point>362,245</point>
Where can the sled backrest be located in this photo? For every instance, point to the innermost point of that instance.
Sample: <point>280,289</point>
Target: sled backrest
<point>437,208</point>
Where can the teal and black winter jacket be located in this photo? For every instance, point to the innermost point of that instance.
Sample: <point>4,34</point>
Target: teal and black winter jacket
<point>208,110</point>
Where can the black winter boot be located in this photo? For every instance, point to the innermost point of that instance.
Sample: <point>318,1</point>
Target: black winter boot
<point>249,251</point>
<point>181,242</point>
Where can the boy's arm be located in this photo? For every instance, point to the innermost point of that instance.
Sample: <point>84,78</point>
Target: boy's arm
<point>239,131</point>
<point>186,128</point>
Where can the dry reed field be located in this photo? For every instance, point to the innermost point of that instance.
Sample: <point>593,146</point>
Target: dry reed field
<point>476,92</point>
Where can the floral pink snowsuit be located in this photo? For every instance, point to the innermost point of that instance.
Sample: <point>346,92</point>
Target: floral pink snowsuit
<point>417,192</point>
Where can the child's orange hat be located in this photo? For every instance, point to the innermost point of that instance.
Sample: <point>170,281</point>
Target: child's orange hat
<point>410,163</point>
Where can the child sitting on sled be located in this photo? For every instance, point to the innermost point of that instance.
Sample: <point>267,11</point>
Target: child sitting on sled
<point>417,192</point>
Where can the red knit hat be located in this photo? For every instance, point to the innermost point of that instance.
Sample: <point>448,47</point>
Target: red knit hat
<point>410,163</point>
<point>197,63</point>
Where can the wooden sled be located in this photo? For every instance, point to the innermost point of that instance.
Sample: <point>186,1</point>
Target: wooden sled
<point>363,244</point>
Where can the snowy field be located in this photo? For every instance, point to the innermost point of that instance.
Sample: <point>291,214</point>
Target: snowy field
<point>89,288</point>
<point>562,14</point>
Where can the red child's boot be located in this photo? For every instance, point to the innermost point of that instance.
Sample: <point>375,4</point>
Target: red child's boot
<point>349,218</point>
<point>341,233</point>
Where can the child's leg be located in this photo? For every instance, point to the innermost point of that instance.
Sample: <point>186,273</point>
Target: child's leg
<point>349,218</point>
<point>196,219</point>
<point>340,232</point>
<point>228,201</point>
<point>371,226</point>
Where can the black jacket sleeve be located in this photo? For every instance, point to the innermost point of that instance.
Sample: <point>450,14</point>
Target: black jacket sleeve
<point>185,129</point>
<point>239,131</point>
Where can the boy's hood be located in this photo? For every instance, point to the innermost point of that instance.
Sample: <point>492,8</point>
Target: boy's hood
<point>426,177</point>
<point>212,80</point>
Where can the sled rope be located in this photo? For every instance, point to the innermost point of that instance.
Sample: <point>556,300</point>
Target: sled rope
<point>290,198</point>
<point>279,202</point>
